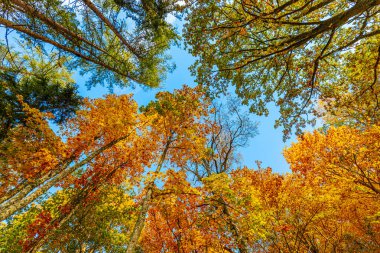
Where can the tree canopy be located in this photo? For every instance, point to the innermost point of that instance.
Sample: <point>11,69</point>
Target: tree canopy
<point>41,82</point>
<point>289,52</point>
<point>117,41</point>
<point>109,174</point>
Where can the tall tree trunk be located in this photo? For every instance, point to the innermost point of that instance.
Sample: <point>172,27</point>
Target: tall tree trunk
<point>139,225</point>
<point>22,199</point>
<point>90,5</point>
<point>76,203</point>
<point>68,34</point>
<point>140,222</point>
<point>66,48</point>
<point>240,240</point>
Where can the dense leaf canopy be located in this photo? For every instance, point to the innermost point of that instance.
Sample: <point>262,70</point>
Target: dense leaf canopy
<point>42,82</point>
<point>107,175</point>
<point>289,52</point>
<point>117,42</point>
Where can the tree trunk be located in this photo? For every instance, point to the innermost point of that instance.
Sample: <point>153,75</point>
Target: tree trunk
<point>22,199</point>
<point>240,240</point>
<point>76,203</point>
<point>139,225</point>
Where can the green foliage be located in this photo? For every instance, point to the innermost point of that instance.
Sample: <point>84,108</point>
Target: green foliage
<point>100,226</point>
<point>115,43</point>
<point>43,82</point>
<point>288,52</point>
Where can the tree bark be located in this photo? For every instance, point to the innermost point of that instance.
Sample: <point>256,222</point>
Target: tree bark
<point>240,240</point>
<point>56,26</point>
<point>75,203</point>
<point>90,5</point>
<point>35,35</point>
<point>140,222</point>
<point>22,199</point>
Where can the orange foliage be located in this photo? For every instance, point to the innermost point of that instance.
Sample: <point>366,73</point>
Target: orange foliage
<point>30,151</point>
<point>328,204</point>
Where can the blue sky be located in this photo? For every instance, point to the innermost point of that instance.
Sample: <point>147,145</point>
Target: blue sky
<point>266,147</point>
